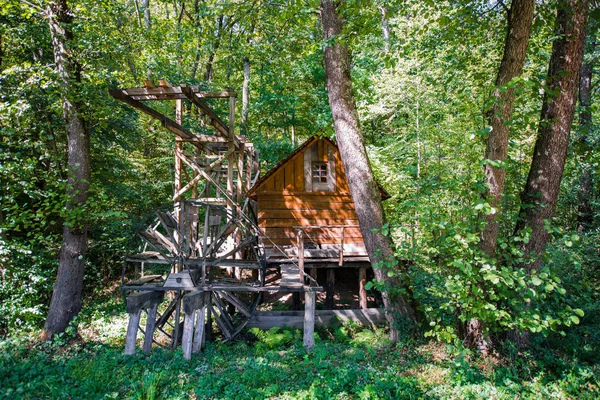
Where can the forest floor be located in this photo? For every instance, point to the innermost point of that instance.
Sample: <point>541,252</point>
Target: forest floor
<point>349,362</point>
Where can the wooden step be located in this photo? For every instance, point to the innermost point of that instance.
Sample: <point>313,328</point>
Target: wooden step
<point>146,279</point>
<point>290,277</point>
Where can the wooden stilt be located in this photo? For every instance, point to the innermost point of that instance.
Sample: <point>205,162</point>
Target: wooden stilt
<point>135,304</point>
<point>362,292</point>
<point>199,335</point>
<point>132,328</point>
<point>188,333</point>
<point>313,273</point>
<point>176,329</point>
<point>309,320</point>
<point>150,326</point>
<point>329,289</point>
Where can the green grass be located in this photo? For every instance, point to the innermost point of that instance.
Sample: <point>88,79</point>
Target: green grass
<point>347,363</point>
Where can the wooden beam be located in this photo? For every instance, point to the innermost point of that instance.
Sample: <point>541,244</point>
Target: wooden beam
<point>167,123</point>
<point>150,326</point>
<point>149,84</point>
<point>132,328</point>
<point>199,334</point>
<point>198,177</point>
<point>205,108</point>
<point>301,254</point>
<point>188,334</point>
<point>143,300</point>
<point>172,93</point>
<point>309,320</point>
<point>341,262</point>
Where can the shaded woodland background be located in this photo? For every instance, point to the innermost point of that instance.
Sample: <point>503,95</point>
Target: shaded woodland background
<point>423,74</point>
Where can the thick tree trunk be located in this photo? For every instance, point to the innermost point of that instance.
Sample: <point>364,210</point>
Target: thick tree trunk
<point>246,94</point>
<point>66,297</point>
<point>585,211</point>
<point>518,31</point>
<point>363,188</point>
<point>515,48</point>
<point>541,190</point>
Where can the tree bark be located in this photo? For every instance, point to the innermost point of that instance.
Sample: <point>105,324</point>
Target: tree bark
<point>385,28</point>
<point>146,7</point>
<point>511,66</point>
<point>585,210</point>
<point>363,188</point>
<point>66,297</point>
<point>520,17</point>
<point>543,182</point>
<point>208,72</point>
<point>246,94</point>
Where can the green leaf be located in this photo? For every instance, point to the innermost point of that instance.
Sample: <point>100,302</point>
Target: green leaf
<point>536,281</point>
<point>579,312</point>
<point>574,318</point>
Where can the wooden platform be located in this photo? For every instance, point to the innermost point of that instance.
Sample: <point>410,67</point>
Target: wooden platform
<point>326,318</point>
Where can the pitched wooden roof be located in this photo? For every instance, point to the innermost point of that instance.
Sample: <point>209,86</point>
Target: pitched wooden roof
<point>252,192</point>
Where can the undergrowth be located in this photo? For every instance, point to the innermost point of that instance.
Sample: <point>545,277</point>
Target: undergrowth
<point>348,362</point>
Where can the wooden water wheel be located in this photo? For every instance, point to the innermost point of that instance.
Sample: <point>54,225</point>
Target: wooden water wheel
<point>209,244</point>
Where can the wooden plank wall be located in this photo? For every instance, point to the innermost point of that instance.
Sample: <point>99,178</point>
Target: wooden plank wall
<point>284,202</point>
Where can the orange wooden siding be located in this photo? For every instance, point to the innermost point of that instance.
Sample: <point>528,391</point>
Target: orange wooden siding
<point>283,202</point>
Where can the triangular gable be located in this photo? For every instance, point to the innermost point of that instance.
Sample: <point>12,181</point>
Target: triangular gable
<point>252,193</point>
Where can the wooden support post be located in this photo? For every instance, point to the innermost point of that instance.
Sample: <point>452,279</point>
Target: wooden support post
<point>132,328</point>
<point>188,333</point>
<point>176,328</point>
<point>329,289</point>
<point>341,261</point>
<point>150,326</point>
<point>309,320</point>
<point>313,273</point>
<point>208,329</point>
<point>362,292</point>
<point>195,185</point>
<point>231,157</point>
<point>177,184</point>
<point>199,335</point>
<point>301,254</point>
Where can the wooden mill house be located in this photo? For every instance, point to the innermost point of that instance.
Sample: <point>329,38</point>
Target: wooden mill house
<point>304,203</point>
<point>215,253</point>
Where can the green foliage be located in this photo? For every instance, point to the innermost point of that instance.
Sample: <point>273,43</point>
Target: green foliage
<point>354,362</point>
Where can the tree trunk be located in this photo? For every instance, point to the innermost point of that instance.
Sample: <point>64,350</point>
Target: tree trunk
<point>66,297</point>
<point>363,188</point>
<point>511,66</point>
<point>208,72</point>
<point>385,28</point>
<point>246,94</point>
<point>146,7</point>
<point>543,182</point>
<point>585,211</point>
<point>518,31</point>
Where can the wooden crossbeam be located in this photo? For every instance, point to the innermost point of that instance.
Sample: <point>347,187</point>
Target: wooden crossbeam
<point>173,93</point>
<point>215,121</point>
<point>167,123</point>
<point>197,139</point>
<point>198,177</point>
